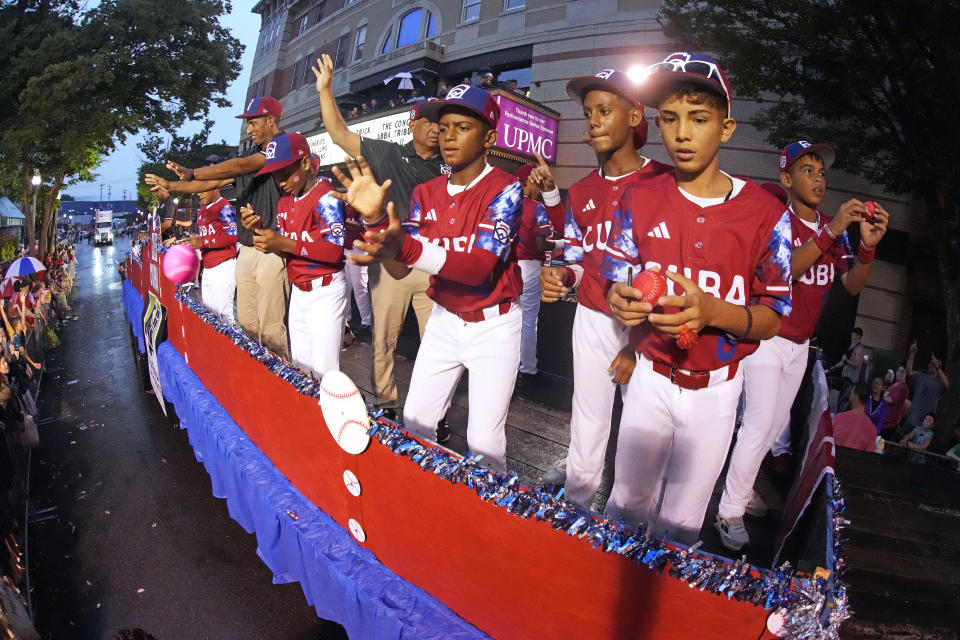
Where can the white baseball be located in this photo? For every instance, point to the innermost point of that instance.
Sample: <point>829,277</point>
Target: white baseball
<point>357,530</point>
<point>344,412</point>
<point>351,482</point>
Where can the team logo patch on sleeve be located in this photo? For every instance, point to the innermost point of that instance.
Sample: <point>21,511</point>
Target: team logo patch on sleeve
<point>336,229</point>
<point>501,231</point>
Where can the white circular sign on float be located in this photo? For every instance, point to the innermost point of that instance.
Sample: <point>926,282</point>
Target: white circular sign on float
<point>344,412</point>
<point>351,482</point>
<point>776,623</point>
<point>356,530</point>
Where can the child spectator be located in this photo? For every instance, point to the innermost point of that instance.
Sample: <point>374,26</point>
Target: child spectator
<point>920,437</point>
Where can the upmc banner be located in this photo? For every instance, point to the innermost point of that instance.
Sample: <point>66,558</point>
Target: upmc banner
<point>523,130</point>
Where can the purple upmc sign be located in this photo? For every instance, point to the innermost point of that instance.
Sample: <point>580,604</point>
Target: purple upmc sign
<point>526,131</point>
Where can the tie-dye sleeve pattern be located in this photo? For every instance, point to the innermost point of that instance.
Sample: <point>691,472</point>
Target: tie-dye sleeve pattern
<point>845,257</point>
<point>329,216</point>
<point>541,228</point>
<point>771,281</point>
<point>500,225</point>
<point>573,249</point>
<point>412,224</point>
<point>621,254</point>
<point>228,216</point>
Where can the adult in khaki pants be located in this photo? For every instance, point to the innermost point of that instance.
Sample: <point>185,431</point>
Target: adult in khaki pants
<point>406,166</point>
<point>262,287</point>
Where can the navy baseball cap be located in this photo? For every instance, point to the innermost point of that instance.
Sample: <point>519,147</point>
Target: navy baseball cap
<point>473,99</point>
<point>799,148</point>
<point>283,151</point>
<point>607,80</point>
<point>262,106</point>
<point>691,67</point>
<point>415,113</point>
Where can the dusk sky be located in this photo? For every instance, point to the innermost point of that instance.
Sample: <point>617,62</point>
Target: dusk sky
<point>119,170</point>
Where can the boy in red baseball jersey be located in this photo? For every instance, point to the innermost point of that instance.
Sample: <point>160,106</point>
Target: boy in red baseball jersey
<point>309,236</point>
<point>772,375</point>
<point>217,242</point>
<point>602,359</point>
<point>461,230</point>
<point>724,245</point>
<point>531,244</point>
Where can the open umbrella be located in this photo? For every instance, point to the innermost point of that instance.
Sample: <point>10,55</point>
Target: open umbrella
<point>404,80</point>
<point>22,266</point>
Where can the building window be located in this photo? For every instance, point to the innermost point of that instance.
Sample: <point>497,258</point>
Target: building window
<point>318,16</point>
<point>386,41</point>
<point>471,10</point>
<point>509,5</point>
<point>342,44</point>
<point>409,31</point>
<point>358,43</point>
<point>431,26</point>
<point>304,21</point>
<point>297,75</point>
<point>309,61</point>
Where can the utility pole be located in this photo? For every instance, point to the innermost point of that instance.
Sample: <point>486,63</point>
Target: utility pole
<point>109,193</point>
<point>124,194</point>
<point>101,195</point>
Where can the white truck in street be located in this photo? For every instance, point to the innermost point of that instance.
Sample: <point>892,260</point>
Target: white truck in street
<point>103,227</point>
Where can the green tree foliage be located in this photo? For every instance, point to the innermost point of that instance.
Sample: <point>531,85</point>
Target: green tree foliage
<point>191,151</point>
<point>83,81</point>
<point>876,79</point>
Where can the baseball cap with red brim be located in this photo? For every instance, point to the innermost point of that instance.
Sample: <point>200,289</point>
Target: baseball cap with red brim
<point>283,151</point>
<point>262,106</point>
<point>795,150</point>
<point>474,99</point>
<point>607,80</point>
<point>682,66</point>
<point>415,113</point>
<point>523,171</point>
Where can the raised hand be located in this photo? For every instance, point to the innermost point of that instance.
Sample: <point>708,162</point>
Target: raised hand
<point>182,172</point>
<point>323,71</point>
<point>159,192</point>
<point>156,181</point>
<point>872,232</point>
<point>380,246</point>
<point>542,176</point>
<point>363,192</point>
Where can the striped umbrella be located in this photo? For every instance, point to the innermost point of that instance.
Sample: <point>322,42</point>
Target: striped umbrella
<point>6,287</point>
<point>22,266</point>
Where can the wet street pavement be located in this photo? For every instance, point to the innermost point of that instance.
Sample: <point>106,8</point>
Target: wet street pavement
<point>126,531</point>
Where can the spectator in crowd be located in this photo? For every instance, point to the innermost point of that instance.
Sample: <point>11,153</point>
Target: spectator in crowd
<point>897,404</point>
<point>442,90</point>
<point>876,406</point>
<point>514,86</point>
<point>928,387</point>
<point>415,97</point>
<point>373,105</point>
<point>365,108</point>
<point>853,428</point>
<point>354,112</point>
<point>467,80</point>
<point>17,330</point>
<point>487,83</point>
<point>849,366</point>
<point>920,437</point>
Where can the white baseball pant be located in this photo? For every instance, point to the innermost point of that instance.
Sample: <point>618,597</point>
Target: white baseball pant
<point>679,436</point>
<point>316,324</point>
<point>217,287</point>
<point>529,301</point>
<point>357,285</point>
<point>597,338</point>
<point>771,377</point>
<point>490,351</point>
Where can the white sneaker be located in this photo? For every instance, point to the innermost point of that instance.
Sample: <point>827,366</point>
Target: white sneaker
<point>557,474</point>
<point>756,507</point>
<point>733,534</point>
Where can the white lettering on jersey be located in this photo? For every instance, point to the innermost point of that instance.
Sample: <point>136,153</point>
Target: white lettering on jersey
<point>819,274</point>
<point>709,281</point>
<point>460,244</point>
<point>303,235</point>
<point>602,232</point>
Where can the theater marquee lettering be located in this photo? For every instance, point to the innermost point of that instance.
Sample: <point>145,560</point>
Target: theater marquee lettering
<point>392,128</point>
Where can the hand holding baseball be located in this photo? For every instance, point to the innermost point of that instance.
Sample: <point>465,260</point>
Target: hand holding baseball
<point>626,304</point>
<point>696,308</point>
<point>872,232</point>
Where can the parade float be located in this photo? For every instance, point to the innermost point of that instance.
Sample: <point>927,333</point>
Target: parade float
<point>393,536</point>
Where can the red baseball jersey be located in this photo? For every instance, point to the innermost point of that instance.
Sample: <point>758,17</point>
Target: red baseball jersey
<point>484,217</point>
<point>591,203</point>
<point>738,251</point>
<point>810,290</point>
<point>218,232</point>
<point>533,224</point>
<point>315,221</point>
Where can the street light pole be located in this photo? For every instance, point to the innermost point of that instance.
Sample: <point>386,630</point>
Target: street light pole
<point>35,181</point>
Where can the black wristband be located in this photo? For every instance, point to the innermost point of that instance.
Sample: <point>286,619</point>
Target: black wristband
<point>191,174</point>
<point>749,322</point>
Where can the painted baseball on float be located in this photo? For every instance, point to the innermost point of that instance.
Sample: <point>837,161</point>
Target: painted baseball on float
<point>181,264</point>
<point>344,412</point>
